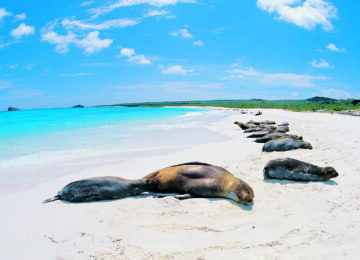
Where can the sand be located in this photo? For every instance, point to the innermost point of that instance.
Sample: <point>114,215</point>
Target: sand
<point>317,220</point>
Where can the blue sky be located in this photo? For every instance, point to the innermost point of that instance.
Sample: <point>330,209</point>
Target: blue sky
<point>62,53</point>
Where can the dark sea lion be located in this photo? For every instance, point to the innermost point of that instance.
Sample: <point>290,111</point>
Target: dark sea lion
<point>201,180</point>
<point>259,134</point>
<point>258,113</point>
<point>260,128</point>
<point>285,145</point>
<point>276,136</point>
<point>291,169</point>
<point>101,188</point>
<point>265,122</point>
<point>283,124</point>
<point>282,129</point>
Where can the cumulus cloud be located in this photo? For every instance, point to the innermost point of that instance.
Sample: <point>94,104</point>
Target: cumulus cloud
<point>333,47</point>
<point>61,41</point>
<point>22,30</point>
<point>123,3</point>
<point>116,23</point>
<point>307,14</point>
<point>4,13</point>
<point>198,43</point>
<point>92,43</point>
<point>176,70</point>
<point>137,59</point>
<point>20,17</point>
<point>320,64</point>
<point>184,33</point>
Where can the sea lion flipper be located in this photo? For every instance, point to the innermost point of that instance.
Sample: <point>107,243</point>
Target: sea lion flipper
<point>56,197</point>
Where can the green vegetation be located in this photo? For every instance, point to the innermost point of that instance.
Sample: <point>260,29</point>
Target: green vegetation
<point>312,104</point>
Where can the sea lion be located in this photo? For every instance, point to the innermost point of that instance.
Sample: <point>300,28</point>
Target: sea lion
<point>101,188</point>
<point>244,126</point>
<point>259,134</point>
<point>276,136</point>
<point>265,122</point>
<point>196,179</point>
<point>285,145</point>
<point>260,128</point>
<point>282,129</point>
<point>258,113</point>
<point>291,169</point>
<point>283,124</point>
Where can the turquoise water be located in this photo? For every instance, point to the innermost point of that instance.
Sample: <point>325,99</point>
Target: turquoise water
<point>38,145</point>
<point>28,123</point>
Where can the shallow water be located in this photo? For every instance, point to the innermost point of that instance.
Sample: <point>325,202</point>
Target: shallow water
<point>39,145</point>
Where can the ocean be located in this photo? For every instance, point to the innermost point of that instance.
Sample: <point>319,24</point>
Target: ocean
<point>37,145</point>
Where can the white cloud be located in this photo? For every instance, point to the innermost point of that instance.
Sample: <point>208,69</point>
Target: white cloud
<point>61,42</point>
<point>5,44</point>
<point>22,30</point>
<point>127,52</point>
<point>177,70</point>
<point>86,3</point>
<point>298,80</point>
<point>336,93</point>
<point>332,47</point>
<point>20,17</point>
<point>76,74</point>
<point>198,43</point>
<point>138,59</point>
<point>184,33</point>
<point>122,3</point>
<point>4,13</point>
<point>92,43</point>
<point>152,13</point>
<point>307,14</point>
<point>320,64</point>
<point>116,23</point>
<point>239,73</point>
<point>277,79</point>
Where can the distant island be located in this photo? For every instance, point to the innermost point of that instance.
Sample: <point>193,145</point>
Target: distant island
<point>13,109</point>
<point>310,104</point>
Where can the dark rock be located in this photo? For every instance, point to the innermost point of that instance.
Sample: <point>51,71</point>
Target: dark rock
<point>77,106</point>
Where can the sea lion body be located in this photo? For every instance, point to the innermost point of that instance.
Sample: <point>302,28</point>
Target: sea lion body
<point>285,145</point>
<point>101,188</point>
<point>292,169</point>
<point>276,136</point>
<point>201,180</point>
<point>282,129</point>
<point>259,134</point>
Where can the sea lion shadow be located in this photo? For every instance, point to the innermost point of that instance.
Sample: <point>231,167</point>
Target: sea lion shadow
<point>284,182</point>
<point>247,207</point>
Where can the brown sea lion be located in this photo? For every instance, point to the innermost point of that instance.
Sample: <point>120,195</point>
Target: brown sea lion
<point>276,136</point>
<point>244,126</point>
<point>201,180</point>
<point>285,145</point>
<point>292,169</point>
<point>102,188</point>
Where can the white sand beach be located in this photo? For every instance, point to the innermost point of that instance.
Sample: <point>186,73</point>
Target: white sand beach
<point>288,220</point>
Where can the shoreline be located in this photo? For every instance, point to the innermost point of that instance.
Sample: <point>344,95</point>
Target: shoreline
<point>287,219</point>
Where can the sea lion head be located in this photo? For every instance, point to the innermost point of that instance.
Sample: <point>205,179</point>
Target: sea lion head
<point>244,193</point>
<point>327,173</point>
<point>307,145</point>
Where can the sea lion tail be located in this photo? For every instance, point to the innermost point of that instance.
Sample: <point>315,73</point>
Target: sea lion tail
<point>56,197</point>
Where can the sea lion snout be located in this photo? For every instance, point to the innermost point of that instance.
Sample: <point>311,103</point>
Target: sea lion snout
<point>329,172</point>
<point>245,193</point>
